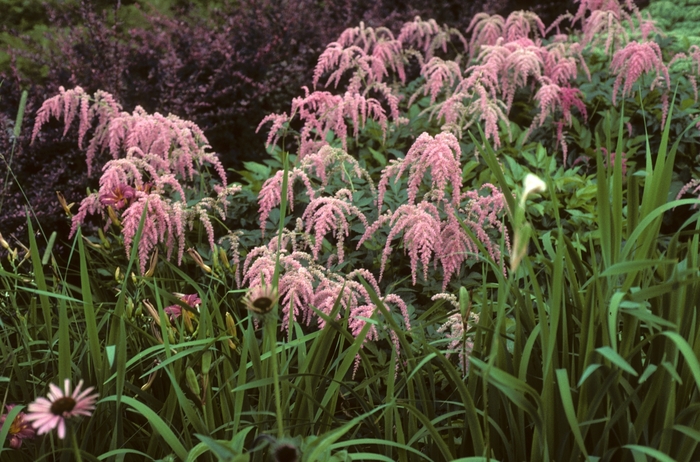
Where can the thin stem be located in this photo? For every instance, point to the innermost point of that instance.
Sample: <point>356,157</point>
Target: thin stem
<point>270,327</point>
<point>74,441</point>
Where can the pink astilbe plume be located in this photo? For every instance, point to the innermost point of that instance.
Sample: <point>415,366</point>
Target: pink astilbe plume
<point>466,107</point>
<point>692,187</point>
<point>329,161</point>
<point>440,154</point>
<point>482,214</point>
<point>160,225</point>
<point>455,248</point>
<point>428,36</point>
<point>278,127</point>
<point>270,195</point>
<point>634,60</point>
<point>691,72</point>
<point>322,112</point>
<point>158,165</point>
<point>420,225</point>
<point>304,284</point>
<point>368,52</point>
<point>455,329</point>
<point>330,214</point>
<point>512,63</point>
<point>554,99</point>
<point>523,24</point>
<point>611,21</point>
<point>486,29</point>
<point>101,107</point>
<point>562,60</point>
<point>439,74</point>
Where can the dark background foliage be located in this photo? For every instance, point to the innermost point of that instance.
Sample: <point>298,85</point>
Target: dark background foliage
<point>222,65</point>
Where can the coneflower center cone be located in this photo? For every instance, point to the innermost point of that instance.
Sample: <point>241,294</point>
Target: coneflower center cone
<point>61,405</point>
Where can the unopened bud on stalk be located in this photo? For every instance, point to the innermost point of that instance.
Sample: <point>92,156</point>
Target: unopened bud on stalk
<point>113,216</point>
<point>192,382</point>
<point>198,260</point>
<point>64,204</point>
<point>103,239</point>
<point>129,308</point>
<point>206,362</point>
<point>231,329</point>
<point>224,258</point>
<point>152,265</point>
<point>4,243</point>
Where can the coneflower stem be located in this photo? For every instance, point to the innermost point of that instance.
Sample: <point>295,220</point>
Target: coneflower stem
<point>270,326</point>
<point>76,449</point>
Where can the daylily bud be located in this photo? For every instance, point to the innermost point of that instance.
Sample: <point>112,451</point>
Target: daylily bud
<point>153,264</point>
<point>192,382</point>
<point>231,329</point>
<point>66,206</point>
<point>103,238</point>
<point>4,243</point>
<point>152,312</point>
<point>224,258</point>
<point>206,362</point>
<point>113,216</point>
<point>198,260</point>
<point>129,308</point>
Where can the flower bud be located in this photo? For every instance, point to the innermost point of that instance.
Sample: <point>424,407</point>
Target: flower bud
<point>198,260</point>
<point>231,329</point>
<point>192,382</point>
<point>206,362</point>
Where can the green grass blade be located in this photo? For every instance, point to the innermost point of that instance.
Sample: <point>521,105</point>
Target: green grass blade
<point>159,426</point>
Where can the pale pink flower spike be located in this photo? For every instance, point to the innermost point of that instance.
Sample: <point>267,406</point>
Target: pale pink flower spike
<point>61,405</point>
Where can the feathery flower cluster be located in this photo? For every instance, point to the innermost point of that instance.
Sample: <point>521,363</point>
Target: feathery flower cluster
<point>304,284</point>
<point>53,412</point>
<point>634,60</point>
<point>441,155</point>
<point>456,329</point>
<point>156,167</point>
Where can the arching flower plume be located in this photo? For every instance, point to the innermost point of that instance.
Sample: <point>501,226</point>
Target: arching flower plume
<point>158,166</point>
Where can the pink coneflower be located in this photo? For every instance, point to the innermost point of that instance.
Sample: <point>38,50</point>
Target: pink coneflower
<point>19,428</point>
<point>47,414</point>
<point>261,299</point>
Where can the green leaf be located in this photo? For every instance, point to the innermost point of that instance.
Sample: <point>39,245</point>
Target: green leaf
<point>615,358</point>
<point>159,426</point>
<point>658,455</point>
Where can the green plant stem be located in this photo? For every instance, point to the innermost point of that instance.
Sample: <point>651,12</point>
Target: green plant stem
<point>270,327</point>
<point>74,441</point>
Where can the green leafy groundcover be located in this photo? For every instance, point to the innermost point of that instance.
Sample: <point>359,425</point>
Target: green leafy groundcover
<point>466,245</point>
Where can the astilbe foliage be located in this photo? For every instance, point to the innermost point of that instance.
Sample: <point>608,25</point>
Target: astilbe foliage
<point>157,162</point>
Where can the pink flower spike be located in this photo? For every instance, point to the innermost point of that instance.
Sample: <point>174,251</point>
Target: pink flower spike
<point>61,405</point>
<point>19,428</point>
